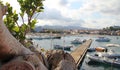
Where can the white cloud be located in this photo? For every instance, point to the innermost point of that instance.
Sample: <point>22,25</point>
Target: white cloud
<point>91,13</point>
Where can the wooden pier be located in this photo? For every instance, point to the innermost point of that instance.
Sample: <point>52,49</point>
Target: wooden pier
<point>79,53</point>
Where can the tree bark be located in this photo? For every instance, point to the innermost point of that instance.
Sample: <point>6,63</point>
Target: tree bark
<point>60,60</point>
<point>10,47</point>
<point>18,65</point>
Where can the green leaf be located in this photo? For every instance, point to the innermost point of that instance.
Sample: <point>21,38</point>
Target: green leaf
<point>33,23</point>
<point>22,14</point>
<point>16,29</point>
<point>23,27</point>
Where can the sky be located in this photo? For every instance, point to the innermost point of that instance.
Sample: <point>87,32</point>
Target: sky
<point>84,13</point>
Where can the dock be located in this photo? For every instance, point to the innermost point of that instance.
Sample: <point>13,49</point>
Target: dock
<point>79,53</point>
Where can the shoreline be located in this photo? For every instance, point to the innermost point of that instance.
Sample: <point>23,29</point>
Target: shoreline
<point>54,34</point>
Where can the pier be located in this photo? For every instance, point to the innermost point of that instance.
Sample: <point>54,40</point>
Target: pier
<point>79,53</point>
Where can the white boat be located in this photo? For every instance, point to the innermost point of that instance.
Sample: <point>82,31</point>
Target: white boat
<point>29,37</point>
<point>112,45</point>
<point>103,59</point>
<point>102,39</point>
<point>77,41</point>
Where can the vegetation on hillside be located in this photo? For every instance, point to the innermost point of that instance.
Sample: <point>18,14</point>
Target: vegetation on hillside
<point>112,28</point>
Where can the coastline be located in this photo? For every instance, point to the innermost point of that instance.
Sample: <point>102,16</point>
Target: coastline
<point>56,34</point>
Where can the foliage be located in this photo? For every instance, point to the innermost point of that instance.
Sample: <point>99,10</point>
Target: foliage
<point>112,28</point>
<point>27,7</point>
<point>1,2</point>
<point>11,20</point>
<point>30,7</point>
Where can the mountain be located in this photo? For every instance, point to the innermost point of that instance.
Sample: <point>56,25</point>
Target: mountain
<point>57,27</point>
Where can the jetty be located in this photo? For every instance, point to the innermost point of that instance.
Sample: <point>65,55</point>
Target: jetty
<point>79,53</point>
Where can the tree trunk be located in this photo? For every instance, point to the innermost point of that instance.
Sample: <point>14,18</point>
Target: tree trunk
<point>18,65</point>
<point>10,47</point>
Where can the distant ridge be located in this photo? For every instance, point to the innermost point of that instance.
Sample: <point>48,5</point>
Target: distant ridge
<point>57,27</point>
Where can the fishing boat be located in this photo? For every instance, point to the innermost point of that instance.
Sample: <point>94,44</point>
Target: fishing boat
<point>76,41</point>
<point>102,39</point>
<point>68,48</point>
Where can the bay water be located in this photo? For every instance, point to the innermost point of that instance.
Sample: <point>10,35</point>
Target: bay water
<point>66,40</point>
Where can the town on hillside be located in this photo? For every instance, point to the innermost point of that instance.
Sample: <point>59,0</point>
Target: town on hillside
<point>112,30</point>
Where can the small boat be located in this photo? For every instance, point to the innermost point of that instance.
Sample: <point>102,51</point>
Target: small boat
<point>76,41</point>
<point>68,48</point>
<point>98,49</point>
<point>34,38</point>
<point>102,39</point>
<point>91,50</point>
<point>112,45</point>
<point>57,37</point>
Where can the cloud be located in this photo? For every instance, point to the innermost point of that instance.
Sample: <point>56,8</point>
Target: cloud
<point>91,14</point>
<point>111,7</point>
<point>63,2</point>
<point>86,13</point>
<point>56,18</point>
<point>50,14</point>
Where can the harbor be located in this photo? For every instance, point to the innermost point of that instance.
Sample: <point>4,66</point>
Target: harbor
<point>44,35</point>
<point>90,43</point>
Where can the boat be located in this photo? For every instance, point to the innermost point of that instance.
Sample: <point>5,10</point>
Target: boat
<point>112,45</point>
<point>114,62</point>
<point>105,60</point>
<point>98,49</point>
<point>95,58</point>
<point>56,37</point>
<point>34,38</point>
<point>91,50</point>
<point>102,39</point>
<point>110,59</point>
<point>68,48</point>
<point>76,41</point>
<point>113,56</point>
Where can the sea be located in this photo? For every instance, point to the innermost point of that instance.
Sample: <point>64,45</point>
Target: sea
<point>48,44</point>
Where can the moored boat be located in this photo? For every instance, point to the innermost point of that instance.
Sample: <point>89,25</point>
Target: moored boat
<point>112,45</point>
<point>91,50</point>
<point>68,48</point>
<point>105,58</point>
<point>102,39</point>
<point>57,37</point>
<point>77,41</point>
<point>98,49</point>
